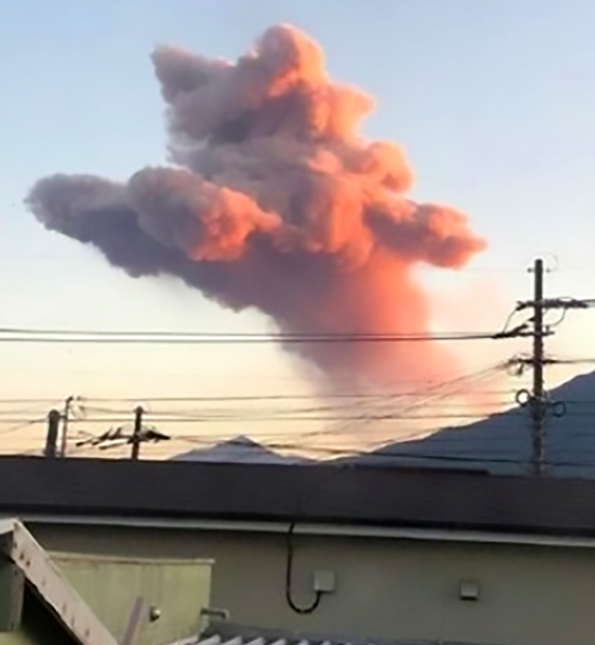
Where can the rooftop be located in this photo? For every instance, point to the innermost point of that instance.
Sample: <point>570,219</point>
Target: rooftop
<point>368,496</point>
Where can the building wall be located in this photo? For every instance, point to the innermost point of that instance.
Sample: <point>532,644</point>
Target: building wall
<point>110,586</point>
<point>386,588</point>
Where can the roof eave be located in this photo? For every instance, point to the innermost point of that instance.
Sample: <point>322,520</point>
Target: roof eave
<point>484,535</point>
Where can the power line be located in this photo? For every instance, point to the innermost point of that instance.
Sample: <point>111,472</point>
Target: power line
<point>433,392</point>
<point>283,415</point>
<point>124,439</point>
<point>275,418</point>
<point>307,413</point>
<point>22,335</point>
<point>19,425</point>
<point>353,397</point>
<point>223,335</point>
<point>386,457</point>
<point>346,451</point>
<point>264,418</point>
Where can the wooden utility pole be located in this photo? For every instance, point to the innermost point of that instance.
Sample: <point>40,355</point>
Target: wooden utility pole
<point>137,433</point>
<point>538,393</point>
<point>52,434</point>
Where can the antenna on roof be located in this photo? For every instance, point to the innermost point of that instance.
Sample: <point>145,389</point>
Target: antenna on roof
<point>119,436</point>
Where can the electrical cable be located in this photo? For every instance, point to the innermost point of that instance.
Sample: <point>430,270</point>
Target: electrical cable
<point>271,419</point>
<point>19,425</point>
<point>290,546</point>
<point>430,391</point>
<point>341,452</point>
<point>15,334</point>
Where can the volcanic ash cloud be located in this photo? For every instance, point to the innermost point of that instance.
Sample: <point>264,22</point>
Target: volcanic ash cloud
<point>273,200</point>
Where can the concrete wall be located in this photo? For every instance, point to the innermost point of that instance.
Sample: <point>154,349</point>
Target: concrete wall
<point>386,588</point>
<point>110,586</point>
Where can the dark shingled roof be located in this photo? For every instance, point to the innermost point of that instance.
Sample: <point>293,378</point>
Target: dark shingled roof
<point>372,496</point>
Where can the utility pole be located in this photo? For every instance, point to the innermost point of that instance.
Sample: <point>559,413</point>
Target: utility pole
<point>52,434</point>
<point>537,398</point>
<point>115,437</point>
<point>537,395</point>
<point>65,418</point>
<point>137,433</point>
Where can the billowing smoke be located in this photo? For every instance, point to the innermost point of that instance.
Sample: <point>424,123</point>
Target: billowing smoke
<point>275,201</point>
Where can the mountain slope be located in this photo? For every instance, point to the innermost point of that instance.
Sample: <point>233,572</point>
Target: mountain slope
<point>502,442</point>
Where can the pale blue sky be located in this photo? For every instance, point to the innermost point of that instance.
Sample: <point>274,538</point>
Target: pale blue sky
<point>494,101</point>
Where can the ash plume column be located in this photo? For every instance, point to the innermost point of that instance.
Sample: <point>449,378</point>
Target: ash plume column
<point>275,201</point>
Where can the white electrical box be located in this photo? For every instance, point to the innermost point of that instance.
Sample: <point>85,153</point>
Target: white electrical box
<point>324,581</point>
<point>469,590</point>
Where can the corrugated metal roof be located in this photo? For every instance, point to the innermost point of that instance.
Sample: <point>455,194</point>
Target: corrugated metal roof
<point>263,640</point>
<point>271,639</point>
